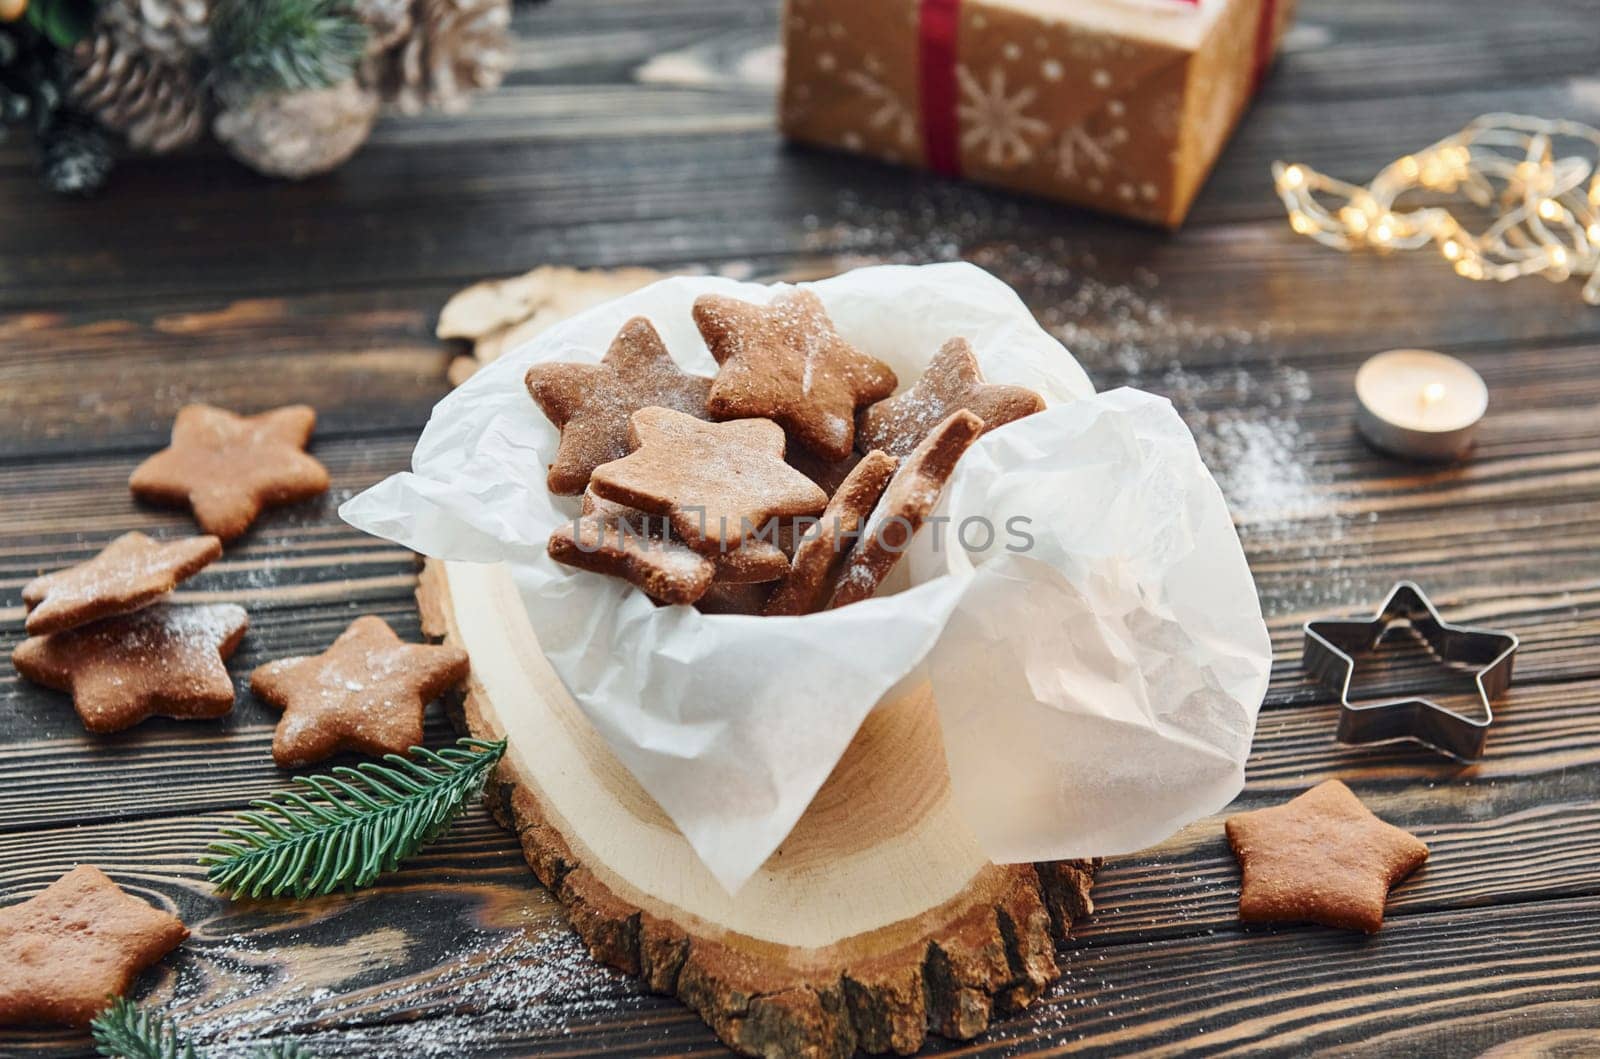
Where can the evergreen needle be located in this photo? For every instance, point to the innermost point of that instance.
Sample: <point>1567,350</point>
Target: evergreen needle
<point>284,45</point>
<point>345,829</point>
<point>127,1031</point>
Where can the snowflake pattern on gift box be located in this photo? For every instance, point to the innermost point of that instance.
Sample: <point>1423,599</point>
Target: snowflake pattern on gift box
<point>1080,153</point>
<point>996,121</point>
<point>887,112</point>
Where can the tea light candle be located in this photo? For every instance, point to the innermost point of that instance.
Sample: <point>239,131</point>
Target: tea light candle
<point>1420,404</point>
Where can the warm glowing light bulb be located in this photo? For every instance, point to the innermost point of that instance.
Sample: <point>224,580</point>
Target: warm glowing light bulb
<point>1543,212</point>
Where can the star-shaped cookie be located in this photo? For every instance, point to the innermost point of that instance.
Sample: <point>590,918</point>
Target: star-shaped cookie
<point>622,541</point>
<point>662,568</point>
<point>785,362</point>
<point>591,403</point>
<point>1321,858</point>
<point>908,500</point>
<point>227,467</point>
<point>952,381</point>
<point>132,571</point>
<point>366,693</point>
<point>716,482</point>
<point>163,661</point>
<point>756,560</point>
<point>68,949</point>
<point>818,557</point>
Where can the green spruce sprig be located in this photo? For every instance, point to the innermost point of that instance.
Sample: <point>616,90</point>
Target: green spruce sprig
<point>262,46</point>
<point>127,1031</point>
<point>63,22</point>
<point>342,831</point>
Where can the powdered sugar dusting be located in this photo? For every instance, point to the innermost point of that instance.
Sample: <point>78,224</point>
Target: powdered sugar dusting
<point>532,983</point>
<point>1246,406</point>
<point>162,635</point>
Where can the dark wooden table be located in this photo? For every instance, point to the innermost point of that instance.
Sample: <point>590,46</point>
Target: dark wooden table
<point>633,131</point>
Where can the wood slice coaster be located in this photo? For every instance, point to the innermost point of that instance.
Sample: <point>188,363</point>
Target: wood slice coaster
<point>876,921</point>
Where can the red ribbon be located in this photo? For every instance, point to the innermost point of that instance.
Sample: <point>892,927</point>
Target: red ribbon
<point>1264,32</point>
<point>938,30</point>
<point>939,22</point>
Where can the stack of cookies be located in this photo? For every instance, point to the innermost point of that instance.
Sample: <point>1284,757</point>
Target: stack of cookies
<point>790,483</point>
<point>102,631</point>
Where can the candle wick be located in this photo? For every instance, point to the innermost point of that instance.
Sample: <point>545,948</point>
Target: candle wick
<point>1432,394</point>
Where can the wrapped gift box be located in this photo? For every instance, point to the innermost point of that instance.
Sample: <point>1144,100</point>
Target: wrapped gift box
<point>1121,105</point>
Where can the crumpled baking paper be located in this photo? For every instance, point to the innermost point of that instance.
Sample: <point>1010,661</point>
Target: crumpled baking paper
<point>1098,684</point>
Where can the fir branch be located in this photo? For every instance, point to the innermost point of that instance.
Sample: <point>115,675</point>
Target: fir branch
<point>344,830</point>
<point>262,46</point>
<point>128,1031</point>
<point>62,22</point>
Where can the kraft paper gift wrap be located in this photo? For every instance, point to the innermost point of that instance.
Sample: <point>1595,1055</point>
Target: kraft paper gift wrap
<point>1097,687</point>
<point>1121,105</point>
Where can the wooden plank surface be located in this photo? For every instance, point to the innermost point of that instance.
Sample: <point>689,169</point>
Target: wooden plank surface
<point>634,132</point>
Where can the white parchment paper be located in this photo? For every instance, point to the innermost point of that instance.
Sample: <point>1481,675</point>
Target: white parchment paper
<point>1098,686</point>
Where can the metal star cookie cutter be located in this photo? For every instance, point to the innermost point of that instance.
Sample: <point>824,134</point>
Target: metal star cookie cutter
<point>1330,655</point>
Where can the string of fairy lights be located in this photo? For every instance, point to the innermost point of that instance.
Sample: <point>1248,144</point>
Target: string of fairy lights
<point>1536,207</point>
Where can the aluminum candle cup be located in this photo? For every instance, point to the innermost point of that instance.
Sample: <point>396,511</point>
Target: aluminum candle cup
<point>1420,404</point>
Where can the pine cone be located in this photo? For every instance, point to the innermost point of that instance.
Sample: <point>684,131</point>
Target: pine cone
<point>74,155</point>
<point>156,105</point>
<point>298,134</point>
<point>174,30</point>
<point>455,48</point>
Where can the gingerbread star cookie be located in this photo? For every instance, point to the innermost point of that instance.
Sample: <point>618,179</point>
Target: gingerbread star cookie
<point>907,502</point>
<point>67,950</point>
<point>162,661</point>
<point>805,588</point>
<point>662,568</point>
<point>366,693</point>
<point>757,559</point>
<point>716,482</point>
<point>227,467</point>
<point>615,539</point>
<point>591,403</point>
<point>1321,858</point>
<point>785,362</point>
<point>952,381</point>
<point>132,570</point>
